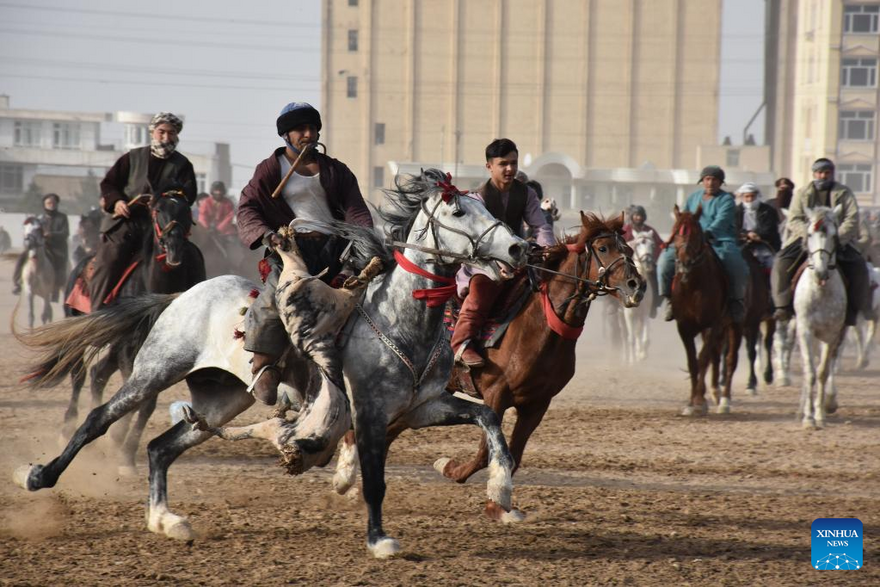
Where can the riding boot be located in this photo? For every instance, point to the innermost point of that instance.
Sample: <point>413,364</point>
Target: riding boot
<point>16,274</point>
<point>668,316</point>
<point>267,376</point>
<point>474,311</point>
<point>736,309</point>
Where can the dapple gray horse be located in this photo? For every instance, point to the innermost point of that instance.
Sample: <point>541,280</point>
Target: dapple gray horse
<point>396,359</point>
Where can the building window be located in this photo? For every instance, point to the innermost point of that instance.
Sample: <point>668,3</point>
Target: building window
<point>201,183</point>
<point>859,73</point>
<point>137,135</point>
<point>352,2</point>
<point>65,135</point>
<point>859,177</point>
<point>860,18</point>
<point>732,158</point>
<point>351,87</point>
<point>857,125</point>
<point>353,40</point>
<point>380,133</point>
<point>11,179</point>
<point>27,133</point>
<point>378,177</point>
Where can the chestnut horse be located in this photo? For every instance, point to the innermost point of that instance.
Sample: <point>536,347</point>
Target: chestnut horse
<point>536,357</point>
<point>699,305</point>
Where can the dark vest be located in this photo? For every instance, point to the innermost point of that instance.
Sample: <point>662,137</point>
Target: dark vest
<point>138,180</point>
<point>516,204</point>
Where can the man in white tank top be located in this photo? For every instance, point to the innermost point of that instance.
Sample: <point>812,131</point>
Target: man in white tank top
<point>321,188</point>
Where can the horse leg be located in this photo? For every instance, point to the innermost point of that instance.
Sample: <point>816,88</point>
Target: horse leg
<point>448,410</point>
<point>769,332</point>
<point>346,464</point>
<point>829,389</point>
<point>527,420</point>
<point>752,351</point>
<point>30,297</point>
<point>690,349</point>
<point>498,402</point>
<point>733,339</point>
<point>805,338</point>
<point>218,405</point>
<point>77,381</point>
<point>129,447</point>
<point>370,433</point>
<point>130,395</point>
<point>47,310</point>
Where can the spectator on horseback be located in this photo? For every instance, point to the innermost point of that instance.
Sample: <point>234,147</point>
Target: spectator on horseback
<point>55,232</point>
<point>320,188</point>
<point>637,226</point>
<point>823,191</point>
<point>757,224</point>
<point>514,203</point>
<point>217,212</point>
<point>137,173</point>
<point>718,222</point>
<point>784,193</point>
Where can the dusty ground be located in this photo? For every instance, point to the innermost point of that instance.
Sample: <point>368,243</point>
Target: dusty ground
<point>617,490</point>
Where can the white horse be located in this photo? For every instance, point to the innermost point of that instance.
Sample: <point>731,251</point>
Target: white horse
<point>636,320</point>
<point>820,309</point>
<point>396,358</point>
<point>863,331</point>
<point>37,275</point>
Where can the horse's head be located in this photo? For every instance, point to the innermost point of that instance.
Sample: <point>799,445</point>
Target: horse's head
<point>615,270</point>
<point>687,236</point>
<point>33,235</point>
<point>428,211</point>
<point>644,252</point>
<point>171,220</point>
<point>821,240</point>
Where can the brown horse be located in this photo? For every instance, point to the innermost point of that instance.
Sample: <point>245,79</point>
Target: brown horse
<point>759,310</point>
<point>536,357</point>
<point>699,305</point>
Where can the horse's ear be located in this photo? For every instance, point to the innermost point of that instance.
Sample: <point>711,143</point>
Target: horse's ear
<point>699,212</point>
<point>583,218</point>
<point>621,220</point>
<point>838,212</point>
<point>676,212</point>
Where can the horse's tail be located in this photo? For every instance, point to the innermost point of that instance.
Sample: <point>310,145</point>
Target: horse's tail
<point>71,344</point>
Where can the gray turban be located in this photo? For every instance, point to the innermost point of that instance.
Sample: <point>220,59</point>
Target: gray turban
<point>166,118</point>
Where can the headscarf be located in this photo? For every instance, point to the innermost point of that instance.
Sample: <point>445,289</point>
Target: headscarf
<point>159,149</point>
<point>823,164</point>
<point>783,195</point>
<point>750,209</point>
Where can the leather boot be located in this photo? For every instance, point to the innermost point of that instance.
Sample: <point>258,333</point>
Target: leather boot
<point>482,293</point>
<point>668,316</point>
<point>267,376</point>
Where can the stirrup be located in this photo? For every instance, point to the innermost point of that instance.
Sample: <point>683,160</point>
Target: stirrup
<point>258,374</point>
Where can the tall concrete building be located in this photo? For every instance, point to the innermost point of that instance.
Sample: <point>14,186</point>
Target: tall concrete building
<point>584,87</point>
<point>822,91</point>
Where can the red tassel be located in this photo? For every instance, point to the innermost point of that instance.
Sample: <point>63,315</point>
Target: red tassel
<point>254,292</point>
<point>265,269</point>
<point>237,334</point>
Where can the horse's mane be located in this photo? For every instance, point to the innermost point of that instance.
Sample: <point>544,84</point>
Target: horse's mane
<point>404,201</point>
<point>365,242</point>
<point>592,225</point>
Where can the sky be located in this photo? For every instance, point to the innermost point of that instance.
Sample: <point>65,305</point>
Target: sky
<point>230,66</point>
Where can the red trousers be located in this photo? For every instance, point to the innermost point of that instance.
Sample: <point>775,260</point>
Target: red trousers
<point>482,293</point>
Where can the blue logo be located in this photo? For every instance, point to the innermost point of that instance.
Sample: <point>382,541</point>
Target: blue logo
<point>836,544</point>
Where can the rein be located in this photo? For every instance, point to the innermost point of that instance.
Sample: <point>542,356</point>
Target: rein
<point>434,296</point>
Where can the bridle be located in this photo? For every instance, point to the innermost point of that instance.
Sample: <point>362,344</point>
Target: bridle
<point>832,254</point>
<point>686,266</point>
<point>159,231</point>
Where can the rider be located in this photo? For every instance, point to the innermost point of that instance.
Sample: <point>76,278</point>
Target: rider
<point>217,212</point>
<point>784,193</point>
<point>55,231</point>
<point>718,221</point>
<point>638,227</point>
<point>321,188</point>
<point>823,191</point>
<point>140,171</point>
<point>757,224</point>
<point>514,203</point>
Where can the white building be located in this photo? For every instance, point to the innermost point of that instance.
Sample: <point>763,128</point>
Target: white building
<point>69,152</point>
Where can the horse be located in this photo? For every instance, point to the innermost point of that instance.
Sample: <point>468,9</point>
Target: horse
<point>636,320</point>
<point>395,356</point>
<point>168,263</point>
<point>699,305</point>
<point>820,312</point>
<point>224,255</point>
<point>864,330</point>
<point>536,358</point>
<point>37,275</point>
<point>759,312</point>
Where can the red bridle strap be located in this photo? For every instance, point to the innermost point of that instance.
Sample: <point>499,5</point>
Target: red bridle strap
<point>555,322</point>
<point>435,296</point>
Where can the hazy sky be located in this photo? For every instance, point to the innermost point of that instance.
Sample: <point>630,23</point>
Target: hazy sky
<point>230,66</point>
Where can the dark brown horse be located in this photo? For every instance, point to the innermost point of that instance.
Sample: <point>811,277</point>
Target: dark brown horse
<point>759,310</point>
<point>536,357</point>
<point>699,304</point>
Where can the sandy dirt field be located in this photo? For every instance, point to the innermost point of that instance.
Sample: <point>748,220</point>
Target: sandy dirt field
<point>617,489</point>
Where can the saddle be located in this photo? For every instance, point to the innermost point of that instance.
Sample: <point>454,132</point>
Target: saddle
<point>78,298</point>
<point>507,306</point>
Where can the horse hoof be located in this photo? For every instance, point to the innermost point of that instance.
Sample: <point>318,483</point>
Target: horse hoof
<point>831,405</point>
<point>495,512</point>
<point>21,475</point>
<point>180,531</point>
<point>342,484</point>
<point>820,424</point>
<point>126,470</point>
<point>384,548</point>
<point>512,517</point>
<point>723,406</point>
<point>752,391</point>
<point>440,465</point>
<point>695,411</point>
<point>808,424</point>
<point>716,395</point>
